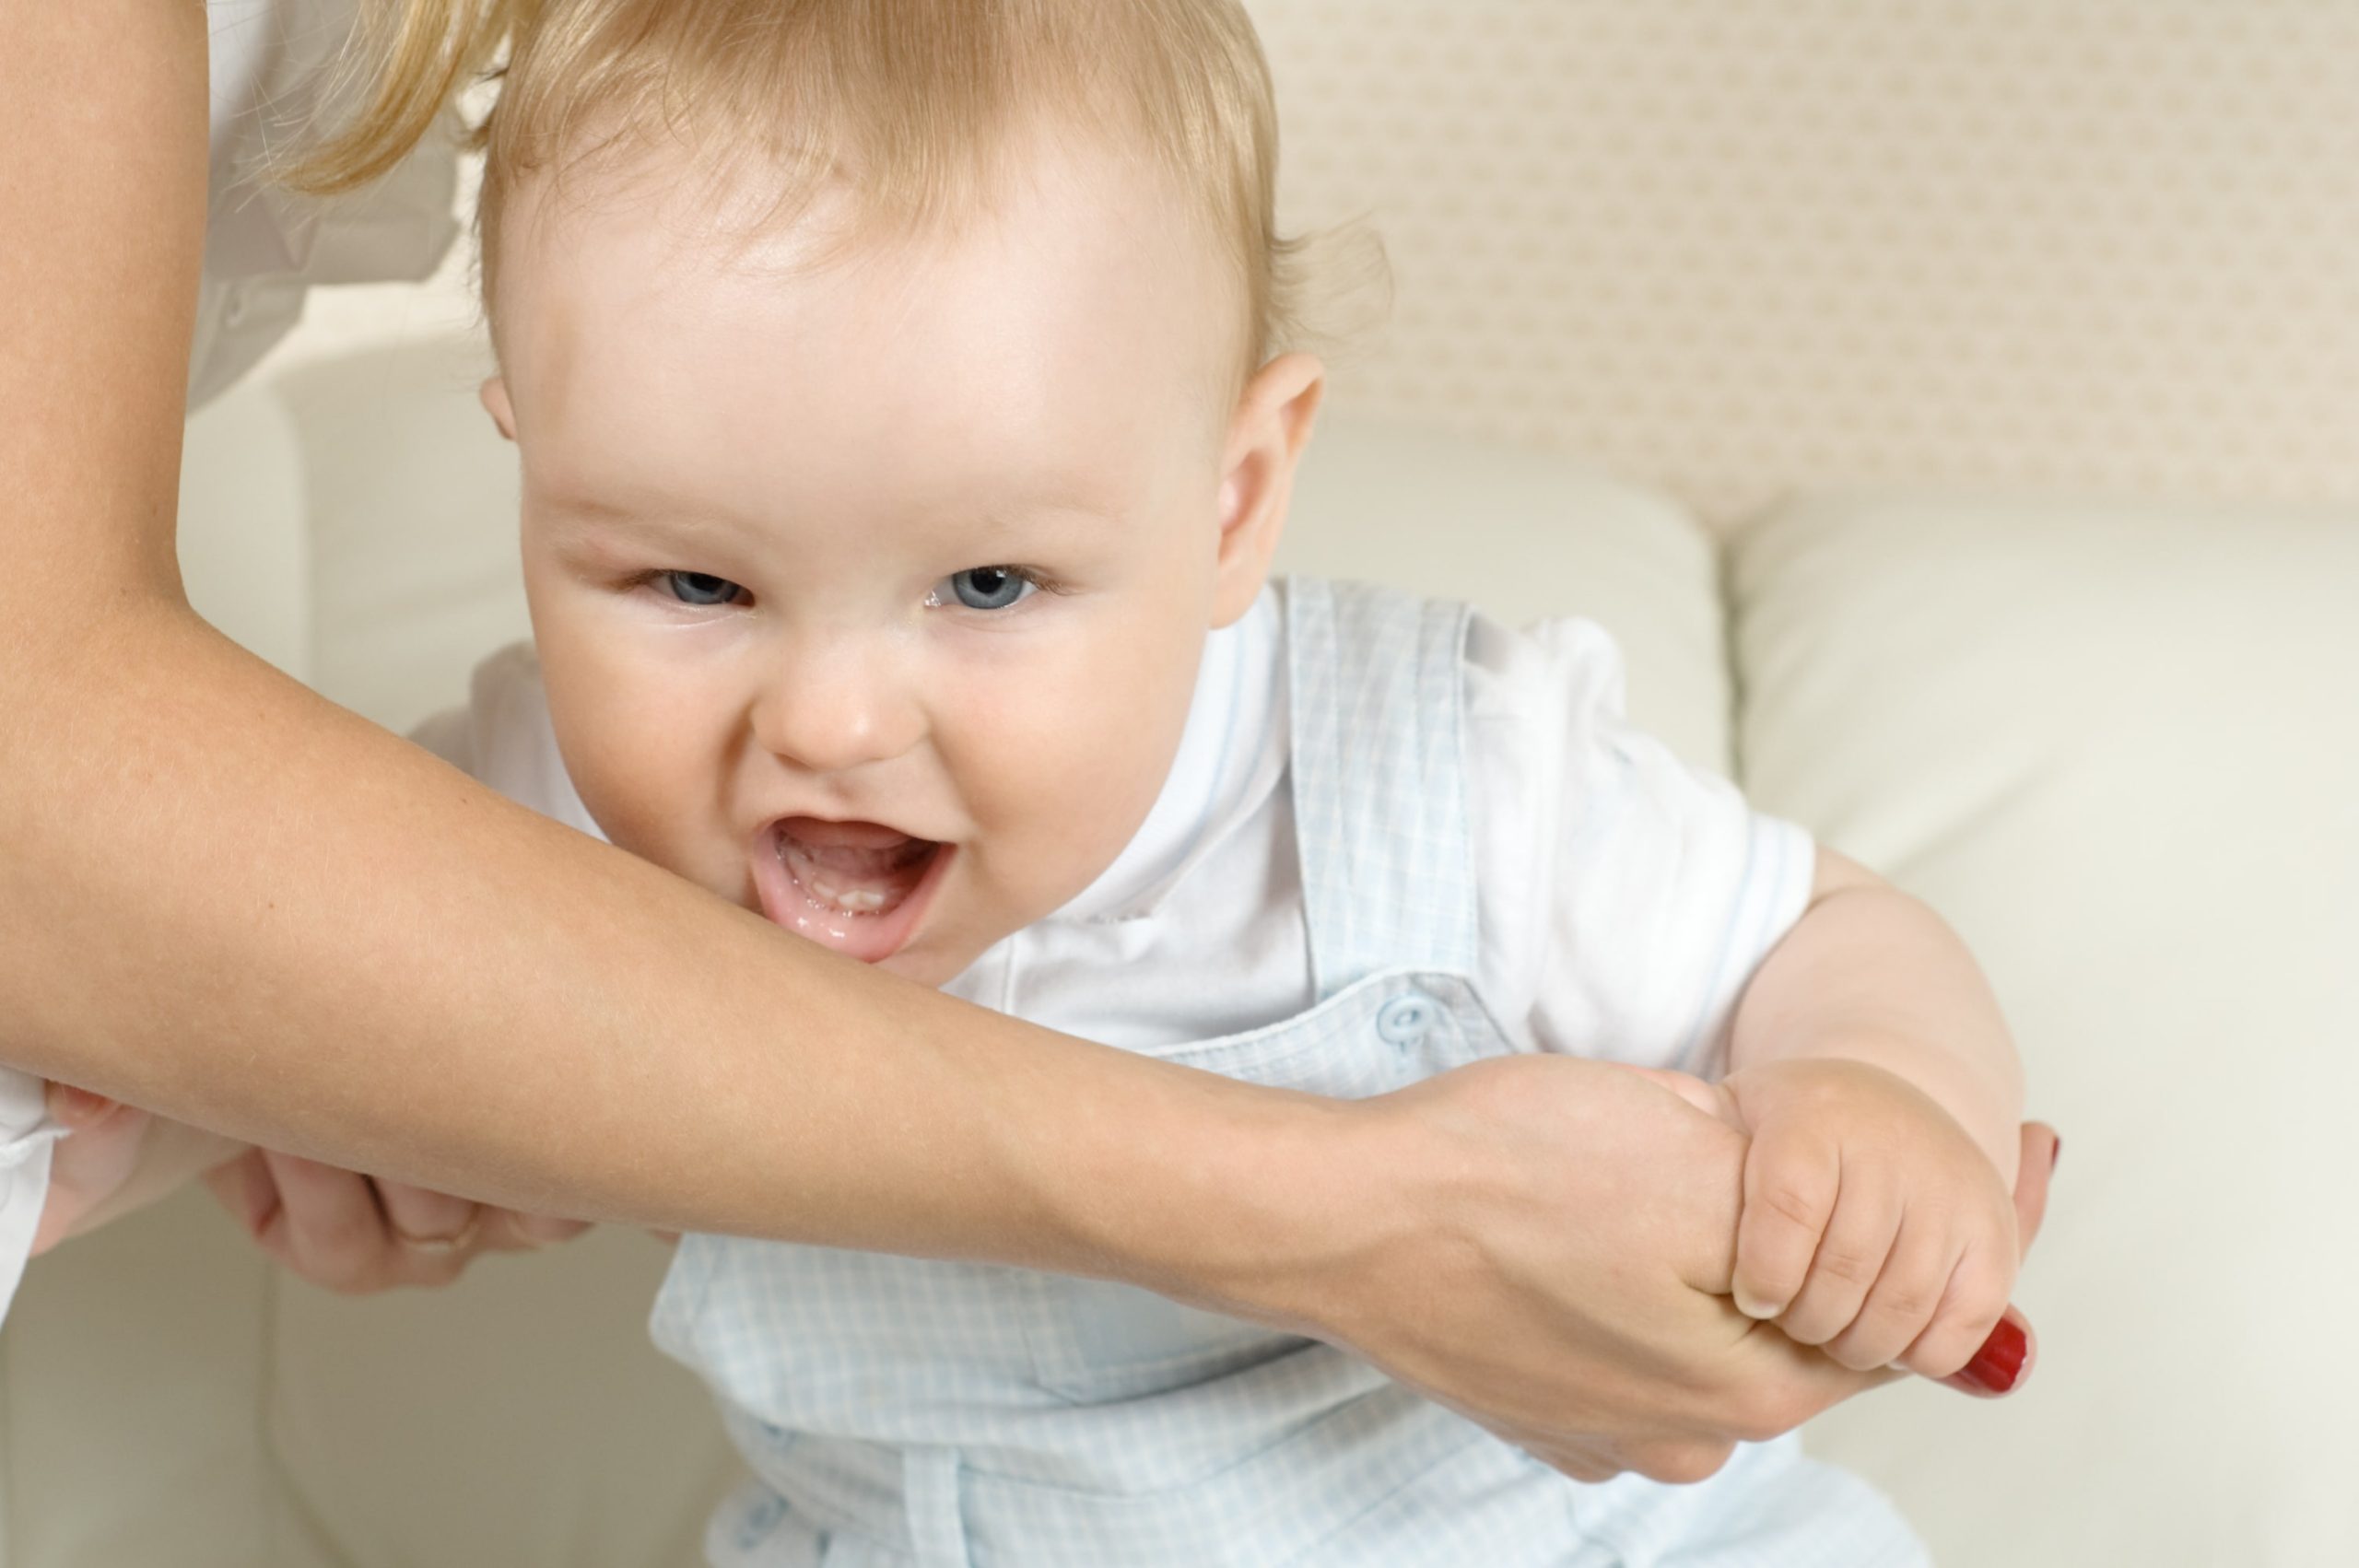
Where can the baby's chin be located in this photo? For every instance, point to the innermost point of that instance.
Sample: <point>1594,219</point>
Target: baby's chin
<point>954,940</point>
<point>926,966</point>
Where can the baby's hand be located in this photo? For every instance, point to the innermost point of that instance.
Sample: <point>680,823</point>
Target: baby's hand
<point>116,1158</point>
<point>1873,1224</point>
<point>91,1166</point>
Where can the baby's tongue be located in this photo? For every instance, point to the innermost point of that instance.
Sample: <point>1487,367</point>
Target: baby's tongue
<point>854,868</point>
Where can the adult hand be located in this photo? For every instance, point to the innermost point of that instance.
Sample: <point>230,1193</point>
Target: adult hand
<point>356,1235</point>
<point>1545,1245</point>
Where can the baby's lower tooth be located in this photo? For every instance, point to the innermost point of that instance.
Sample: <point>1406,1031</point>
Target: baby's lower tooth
<point>856,902</point>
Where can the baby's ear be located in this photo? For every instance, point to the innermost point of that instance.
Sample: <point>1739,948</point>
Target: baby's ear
<point>1265,441</point>
<point>494,394</point>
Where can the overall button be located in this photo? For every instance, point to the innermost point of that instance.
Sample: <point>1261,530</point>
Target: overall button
<point>1405,1021</point>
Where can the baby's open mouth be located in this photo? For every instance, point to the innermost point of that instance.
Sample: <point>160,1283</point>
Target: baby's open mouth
<point>858,887</point>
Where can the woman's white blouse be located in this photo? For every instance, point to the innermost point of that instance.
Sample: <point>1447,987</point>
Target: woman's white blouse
<point>26,1136</point>
<point>277,70</point>
<point>274,70</point>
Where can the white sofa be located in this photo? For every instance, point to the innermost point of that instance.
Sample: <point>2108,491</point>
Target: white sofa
<point>2117,746</point>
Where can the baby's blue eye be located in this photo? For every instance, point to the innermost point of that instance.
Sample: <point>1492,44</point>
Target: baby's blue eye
<point>700,589</point>
<point>990,588</point>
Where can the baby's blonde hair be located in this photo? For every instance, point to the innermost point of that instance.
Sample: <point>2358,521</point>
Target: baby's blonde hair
<point>920,102</point>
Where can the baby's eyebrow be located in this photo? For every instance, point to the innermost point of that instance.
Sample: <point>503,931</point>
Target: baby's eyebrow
<point>1032,525</point>
<point>609,535</point>
<point>585,513</point>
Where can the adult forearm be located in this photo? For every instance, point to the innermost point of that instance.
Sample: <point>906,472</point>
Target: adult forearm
<point>224,898</point>
<point>1873,974</point>
<point>232,902</point>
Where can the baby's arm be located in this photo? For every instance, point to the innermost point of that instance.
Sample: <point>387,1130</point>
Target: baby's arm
<point>1868,1061</point>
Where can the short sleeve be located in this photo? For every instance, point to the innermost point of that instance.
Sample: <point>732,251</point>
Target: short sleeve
<point>27,1136</point>
<point>1626,897</point>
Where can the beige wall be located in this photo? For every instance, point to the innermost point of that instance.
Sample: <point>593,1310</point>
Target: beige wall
<point>1738,247</point>
<point>1735,247</point>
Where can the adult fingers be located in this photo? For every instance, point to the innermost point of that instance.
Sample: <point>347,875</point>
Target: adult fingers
<point>2033,1173</point>
<point>531,1232</point>
<point>2003,1361</point>
<point>246,1189</point>
<point>1674,1461</point>
<point>1781,1383</point>
<point>330,1230</point>
<point>422,1218</point>
<point>1712,1099</point>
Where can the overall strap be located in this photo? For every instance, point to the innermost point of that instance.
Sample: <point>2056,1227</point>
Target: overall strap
<point>1379,775</point>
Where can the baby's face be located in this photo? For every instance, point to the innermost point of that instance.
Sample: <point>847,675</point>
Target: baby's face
<point>871,595</point>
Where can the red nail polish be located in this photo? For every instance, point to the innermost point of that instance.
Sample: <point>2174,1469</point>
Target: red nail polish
<point>1999,1364</point>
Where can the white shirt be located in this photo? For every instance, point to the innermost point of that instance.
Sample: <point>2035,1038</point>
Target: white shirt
<point>273,65</point>
<point>1625,898</point>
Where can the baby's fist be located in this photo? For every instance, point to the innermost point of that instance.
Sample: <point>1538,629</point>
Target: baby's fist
<point>1873,1224</point>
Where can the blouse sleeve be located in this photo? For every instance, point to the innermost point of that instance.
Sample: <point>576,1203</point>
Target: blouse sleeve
<point>1627,897</point>
<point>276,70</point>
<point>26,1137</point>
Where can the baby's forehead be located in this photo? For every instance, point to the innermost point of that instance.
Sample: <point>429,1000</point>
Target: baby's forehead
<point>663,343</point>
<point>1108,229</point>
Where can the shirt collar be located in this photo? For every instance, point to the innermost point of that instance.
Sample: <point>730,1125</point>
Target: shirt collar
<point>1231,755</point>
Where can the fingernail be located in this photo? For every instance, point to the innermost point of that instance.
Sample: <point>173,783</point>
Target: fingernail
<point>1998,1364</point>
<point>2055,1153</point>
<point>1753,1307</point>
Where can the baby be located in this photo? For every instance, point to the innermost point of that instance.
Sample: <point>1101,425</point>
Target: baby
<point>907,410</point>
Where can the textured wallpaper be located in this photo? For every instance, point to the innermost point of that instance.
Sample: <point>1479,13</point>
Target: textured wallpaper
<point>1737,248</point>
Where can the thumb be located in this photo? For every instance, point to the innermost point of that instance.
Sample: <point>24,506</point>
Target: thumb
<point>1712,1099</point>
<point>2040,1146</point>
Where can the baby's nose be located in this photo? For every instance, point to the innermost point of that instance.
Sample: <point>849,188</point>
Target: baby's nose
<point>839,711</point>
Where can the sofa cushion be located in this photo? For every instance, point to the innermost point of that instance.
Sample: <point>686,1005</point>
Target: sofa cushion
<point>1525,533</point>
<point>2117,746</point>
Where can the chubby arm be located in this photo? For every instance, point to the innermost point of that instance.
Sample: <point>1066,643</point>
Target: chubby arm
<point>1870,975</point>
<point>1869,1063</point>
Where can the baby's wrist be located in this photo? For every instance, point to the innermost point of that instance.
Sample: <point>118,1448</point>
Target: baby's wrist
<point>1988,1113</point>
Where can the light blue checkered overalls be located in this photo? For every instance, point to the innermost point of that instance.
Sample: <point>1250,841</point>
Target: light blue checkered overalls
<point>904,1413</point>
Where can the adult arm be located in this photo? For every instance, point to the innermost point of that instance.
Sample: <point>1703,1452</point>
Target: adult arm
<point>227,899</point>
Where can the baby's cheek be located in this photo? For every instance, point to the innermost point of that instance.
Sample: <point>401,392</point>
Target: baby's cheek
<point>1050,820</point>
<point>640,812</point>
